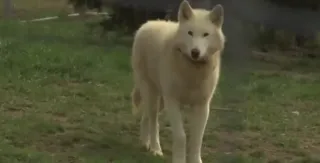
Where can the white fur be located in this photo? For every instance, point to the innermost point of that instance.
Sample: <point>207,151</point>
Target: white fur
<point>166,76</point>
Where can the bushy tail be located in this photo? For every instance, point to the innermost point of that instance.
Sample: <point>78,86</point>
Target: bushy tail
<point>136,100</point>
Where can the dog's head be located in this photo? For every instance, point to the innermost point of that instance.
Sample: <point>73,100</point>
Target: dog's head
<point>199,34</point>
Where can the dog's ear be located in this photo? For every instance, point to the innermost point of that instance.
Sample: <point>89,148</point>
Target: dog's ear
<point>217,15</point>
<point>185,11</point>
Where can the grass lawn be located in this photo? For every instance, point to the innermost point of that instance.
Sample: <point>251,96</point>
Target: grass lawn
<point>65,98</point>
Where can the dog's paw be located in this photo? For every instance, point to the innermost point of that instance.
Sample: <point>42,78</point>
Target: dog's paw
<point>156,150</point>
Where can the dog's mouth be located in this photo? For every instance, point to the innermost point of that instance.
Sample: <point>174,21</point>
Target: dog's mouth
<point>199,61</point>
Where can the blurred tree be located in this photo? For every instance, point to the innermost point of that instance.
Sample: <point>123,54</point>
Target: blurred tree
<point>7,8</point>
<point>307,4</point>
<point>301,40</point>
<point>120,14</point>
<point>81,5</point>
<point>130,14</point>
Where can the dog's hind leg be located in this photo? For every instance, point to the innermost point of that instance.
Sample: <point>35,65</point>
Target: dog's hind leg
<point>149,122</point>
<point>154,127</point>
<point>136,100</point>
<point>144,125</point>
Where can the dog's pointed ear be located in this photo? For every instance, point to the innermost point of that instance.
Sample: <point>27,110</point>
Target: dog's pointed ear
<point>217,15</point>
<point>185,11</point>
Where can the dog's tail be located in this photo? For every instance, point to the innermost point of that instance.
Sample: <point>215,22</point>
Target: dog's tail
<point>136,100</point>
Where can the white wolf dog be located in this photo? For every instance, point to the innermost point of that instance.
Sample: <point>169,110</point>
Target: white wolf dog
<point>176,64</point>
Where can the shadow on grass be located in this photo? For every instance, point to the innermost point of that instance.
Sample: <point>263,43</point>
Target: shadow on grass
<point>115,144</point>
<point>118,150</point>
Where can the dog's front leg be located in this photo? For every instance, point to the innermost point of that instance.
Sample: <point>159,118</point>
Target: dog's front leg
<point>198,122</point>
<point>178,134</point>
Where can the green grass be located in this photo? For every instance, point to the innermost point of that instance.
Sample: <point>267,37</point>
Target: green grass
<point>65,97</point>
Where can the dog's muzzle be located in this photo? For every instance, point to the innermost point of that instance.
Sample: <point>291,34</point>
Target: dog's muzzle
<point>193,60</point>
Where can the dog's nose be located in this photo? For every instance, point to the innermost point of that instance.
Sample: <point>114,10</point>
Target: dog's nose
<point>195,53</point>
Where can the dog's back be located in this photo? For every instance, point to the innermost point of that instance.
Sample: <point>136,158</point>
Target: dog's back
<point>151,42</point>
<point>152,38</point>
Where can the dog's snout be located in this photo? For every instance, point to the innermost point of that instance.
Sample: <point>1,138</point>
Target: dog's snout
<point>195,53</point>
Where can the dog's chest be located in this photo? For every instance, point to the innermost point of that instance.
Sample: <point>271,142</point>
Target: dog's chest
<point>194,88</point>
<point>188,83</point>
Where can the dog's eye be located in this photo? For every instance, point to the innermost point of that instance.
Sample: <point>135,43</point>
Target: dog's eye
<point>205,34</point>
<point>190,33</point>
